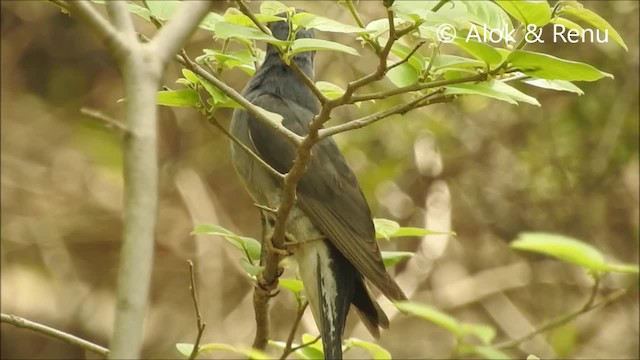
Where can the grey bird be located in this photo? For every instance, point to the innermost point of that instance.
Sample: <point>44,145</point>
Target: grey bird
<point>331,223</point>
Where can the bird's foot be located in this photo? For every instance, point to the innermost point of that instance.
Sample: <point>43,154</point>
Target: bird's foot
<point>273,249</point>
<point>269,287</point>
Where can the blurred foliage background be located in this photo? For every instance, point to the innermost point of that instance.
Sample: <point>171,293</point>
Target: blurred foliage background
<point>484,169</point>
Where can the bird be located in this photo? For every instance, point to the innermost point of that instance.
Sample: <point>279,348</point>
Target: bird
<point>331,222</point>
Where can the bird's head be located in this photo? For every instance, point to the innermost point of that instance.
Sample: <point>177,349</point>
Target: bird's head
<point>280,30</point>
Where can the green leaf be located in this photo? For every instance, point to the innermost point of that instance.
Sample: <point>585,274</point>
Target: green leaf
<point>484,12</point>
<point>271,116</point>
<point>391,258</point>
<point>563,339</point>
<point>486,352</point>
<point>560,85</point>
<point>243,243</point>
<point>313,351</point>
<point>443,61</point>
<point>235,16</point>
<point>377,352</point>
<point>528,11</point>
<point>432,315</point>
<point>420,232</point>
<point>184,349</point>
<point>293,285</point>
<point>274,8</point>
<point>513,93</point>
<point>485,333</point>
<point>252,270</point>
<point>482,89</point>
<point>403,75</point>
<point>402,51</point>
<point>177,98</point>
<point>385,228</point>
<point>566,23</point>
<point>306,44</point>
<point>594,19</point>
<point>191,76</point>
<point>570,250</point>
<point>312,21</point>
<point>330,90</point>
<point>552,68</point>
<point>163,10</point>
<point>209,22</point>
<point>480,51</point>
<point>226,30</point>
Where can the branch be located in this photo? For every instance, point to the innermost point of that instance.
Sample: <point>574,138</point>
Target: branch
<point>119,16</point>
<point>254,110</point>
<point>199,324</point>
<point>296,322</point>
<point>406,58</point>
<point>106,119</point>
<point>588,306</point>
<point>352,9</point>
<point>20,322</point>
<point>86,13</point>
<point>370,119</point>
<point>212,119</point>
<point>292,64</point>
<point>170,38</point>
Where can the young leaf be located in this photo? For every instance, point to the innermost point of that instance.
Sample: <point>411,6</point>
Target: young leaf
<point>594,19</point>
<point>566,23</point>
<point>480,51</point>
<point>377,352</point>
<point>330,90</point>
<point>252,246</point>
<point>560,85</point>
<point>548,67</point>
<point>385,228</point>
<point>432,315</point>
<point>484,12</point>
<point>513,93</point>
<point>313,21</point>
<point>185,349</point>
<point>274,8</point>
<point>293,285</point>
<point>486,352</point>
<point>252,270</point>
<point>235,16</point>
<point>482,89</point>
<point>570,250</point>
<point>527,11</point>
<point>403,75</point>
<point>306,44</point>
<point>191,76</point>
<point>485,333</point>
<point>391,258</point>
<point>226,30</point>
<point>420,232</point>
<point>176,98</point>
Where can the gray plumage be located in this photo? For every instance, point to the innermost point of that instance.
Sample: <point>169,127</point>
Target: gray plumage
<point>331,220</point>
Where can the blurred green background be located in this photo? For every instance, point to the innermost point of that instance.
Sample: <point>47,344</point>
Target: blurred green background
<point>484,169</point>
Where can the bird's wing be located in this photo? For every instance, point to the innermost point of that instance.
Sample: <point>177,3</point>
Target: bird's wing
<point>328,192</point>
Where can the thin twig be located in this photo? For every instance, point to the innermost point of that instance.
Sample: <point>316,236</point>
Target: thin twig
<point>20,322</point>
<point>356,16</point>
<point>406,58</point>
<point>439,5</point>
<point>199,324</point>
<point>214,121</point>
<point>296,348</point>
<point>422,101</point>
<point>254,110</point>
<point>588,306</point>
<point>104,118</point>
<point>296,322</point>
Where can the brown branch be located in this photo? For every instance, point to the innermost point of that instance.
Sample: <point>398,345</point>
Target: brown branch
<point>234,95</point>
<point>422,101</point>
<point>406,58</point>
<point>199,324</point>
<point>292,64</point>
<point>296,322</point>
<point>20,322</point>
<point>588,306</point>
